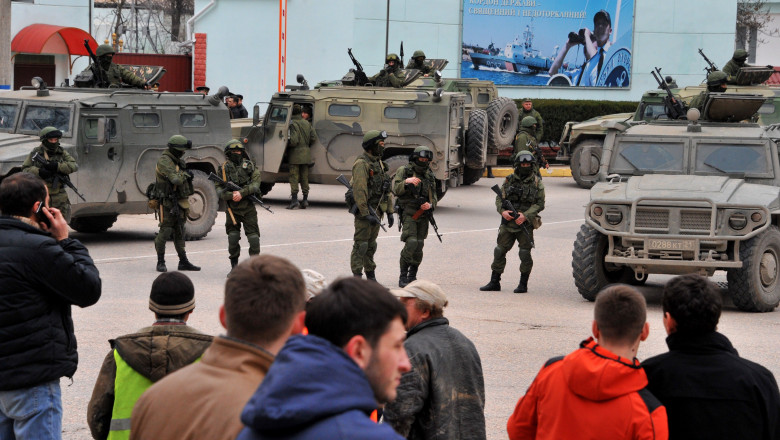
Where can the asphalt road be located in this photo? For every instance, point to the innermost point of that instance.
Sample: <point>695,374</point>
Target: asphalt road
<point>514,333</point>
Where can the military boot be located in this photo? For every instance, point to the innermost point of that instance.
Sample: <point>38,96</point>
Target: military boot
<point>184,264</point>
<point>371,276</point>
<point>412,273</point>
<point>305,201</point>
<point>494,285</point>
<point>233,263</point>
<point>403,280</point>
<point>522,287</point>
<point>293,201</point>
<point>490,173</point>
<point>161,263</point>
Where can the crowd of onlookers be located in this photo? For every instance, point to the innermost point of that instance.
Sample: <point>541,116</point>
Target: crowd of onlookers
<point>301,359</point>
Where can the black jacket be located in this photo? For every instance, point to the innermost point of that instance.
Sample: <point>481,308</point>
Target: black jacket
<point>444,394</point>
<point>40,279</point>
<point>711,393</point>
<point>239,111</point>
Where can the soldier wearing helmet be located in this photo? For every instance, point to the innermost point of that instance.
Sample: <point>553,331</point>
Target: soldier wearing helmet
<point>716,82</point>
<point>370,187</point>
<point>302,137</point>
<point>525,190</point>
<point>240,170</point>
<point>737,61</point>
<point>527,109</point>
<point>59,162</point>
<point>173,187</point>
<point>415,186</point>
<point>108,74</point>
<point>418,62</point>
<point>526,140</point>
<point>390,75</point>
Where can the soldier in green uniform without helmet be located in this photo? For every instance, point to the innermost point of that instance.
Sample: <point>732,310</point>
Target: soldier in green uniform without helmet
<point>716,82</point>
<point>415,187</point>
<point>173,186</point>
<point>526,192</point>
<point>391,75</point>
<point>370,187</point>
<point>59,161</point>
<point>114,74</point>
<point>526,140</point>
<point>527,109</point>
<point>240,170</point>
<point>418,62</point>
<point>302,137</point>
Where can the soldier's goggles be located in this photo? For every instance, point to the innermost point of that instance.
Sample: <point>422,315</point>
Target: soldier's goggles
<point>425,155</point>
<point>382,136</point>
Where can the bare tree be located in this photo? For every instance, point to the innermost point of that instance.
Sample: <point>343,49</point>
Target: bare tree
<point>753,22</point>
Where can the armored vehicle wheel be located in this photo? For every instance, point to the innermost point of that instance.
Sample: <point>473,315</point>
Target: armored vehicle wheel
<point>471,175</point>
<point>203,207</point>
<point>265,187</point>
<point>502,122</point>
<point>595,152</point>
<point>93,224</point>
<point>590,272</point>
<point>756,286</point>
<point>477,140</point>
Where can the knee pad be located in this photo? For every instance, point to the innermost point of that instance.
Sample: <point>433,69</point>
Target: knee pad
<point>254,243</point>
<point>362,248</point>
<point>499,252</point>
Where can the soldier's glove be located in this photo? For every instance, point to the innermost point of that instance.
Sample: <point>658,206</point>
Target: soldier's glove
<point>44,173</point>
<point>189,174</point>
<point>371,219</point>
<point>51,166</point>
<point>382,72</point>
<point>386,185</point>
<point>390,220</point>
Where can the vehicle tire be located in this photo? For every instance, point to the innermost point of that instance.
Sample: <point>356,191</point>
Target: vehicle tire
<point>477,140</point>
<point>441,189</point>
<point>471,175</point>
<point>203,207</point>
<point>586,182</point>
<point>265,187</point>
<point>755,287</point>
<point>502,116</point>
<point>93,224</point>
<point>590,272</point>
<point>395,162</point>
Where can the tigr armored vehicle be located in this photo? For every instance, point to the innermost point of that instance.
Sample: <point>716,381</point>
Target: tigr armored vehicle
<point>116,137</point>
<point>676,196</point>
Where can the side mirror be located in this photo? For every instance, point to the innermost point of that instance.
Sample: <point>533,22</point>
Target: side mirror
<point>102,127</point>
<point>255,115</point>
<point>437,76</point>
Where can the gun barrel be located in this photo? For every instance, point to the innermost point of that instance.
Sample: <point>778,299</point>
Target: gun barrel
<point>343,180</point>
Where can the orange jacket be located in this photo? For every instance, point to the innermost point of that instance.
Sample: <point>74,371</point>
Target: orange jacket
<point>589,394</point>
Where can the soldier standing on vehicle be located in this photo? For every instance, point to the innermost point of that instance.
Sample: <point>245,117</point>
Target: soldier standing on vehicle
<point>525,190</point>
<point>391,75</point>
<point>418,62</point>
<point>716,82</point>
<point>59,162</point>
<point>173,186</point>
<point>302,137</point>
<point>415,186</point>
<point>240,170</point>
<point>526,140</point>
<point>114,74</point>
<point>370,187</point>
<point>528,109</point>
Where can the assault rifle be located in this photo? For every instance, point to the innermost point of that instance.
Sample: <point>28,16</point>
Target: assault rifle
<point>506,204</point>
<point>712,68</point>
<point>63,179</point>
<point>428,213</point>
<point>674,108</point>
<point>360,75</point>
<point>99,75</point>
<point>343,180</point>
<point>233,187</point>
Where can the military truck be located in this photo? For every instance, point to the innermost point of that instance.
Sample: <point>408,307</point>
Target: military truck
<point>677,196</point>
<point>116,136</point>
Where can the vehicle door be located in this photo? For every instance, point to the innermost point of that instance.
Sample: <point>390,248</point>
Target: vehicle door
<point>276,132</point>
<point>100,160</point>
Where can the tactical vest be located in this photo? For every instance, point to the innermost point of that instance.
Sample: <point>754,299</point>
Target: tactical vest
<point>240,175</point>
<point>520,192</point>
<point>54,185</point>
<point>408,201</point>
<point>377,174</point>
<point>165,190</point>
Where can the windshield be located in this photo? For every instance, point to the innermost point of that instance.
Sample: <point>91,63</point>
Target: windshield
<point>644,157</point>
<point>732,159</point>
<point>37,117</point>
<point>8,116</point>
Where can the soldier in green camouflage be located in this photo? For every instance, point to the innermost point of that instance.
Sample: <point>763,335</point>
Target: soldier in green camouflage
<point>302,137</point>
<point>736,62</point>
<point>59,161</point>
<point>418,62</point>
<point>114,74</point>
<point>716,82</point>
<point>527,109</point>
<point>370,187</point>
<point>173,186</point>
<point>526,192</point>
<point>240,170</point>
<point>391,75</point>
<point>526,140</point>
<point>415,187</point>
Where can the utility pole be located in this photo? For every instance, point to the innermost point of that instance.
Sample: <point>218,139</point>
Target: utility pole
<point>5,44</point>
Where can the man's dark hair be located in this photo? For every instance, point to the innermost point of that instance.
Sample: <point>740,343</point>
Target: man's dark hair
<point>620,313</point>
<point>262,297</point>
<point>19,192</point>
<point>353,306</point>
<point>694,302</point>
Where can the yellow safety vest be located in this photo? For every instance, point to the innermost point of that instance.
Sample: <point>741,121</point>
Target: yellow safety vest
<point>128,387</point>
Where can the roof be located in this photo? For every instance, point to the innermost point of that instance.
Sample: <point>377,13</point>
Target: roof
<point>774,80</point>
<point>34,39</point>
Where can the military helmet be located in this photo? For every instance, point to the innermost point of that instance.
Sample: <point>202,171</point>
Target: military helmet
<point>392,57</point>
<point>716,78</point>
<point>418,53</point>
<point>179,142</point>
<point>740,55</point>
<point>233,144</point>
<point>524,157</point>
<point>372,137</point>
<point>421,152</point>
<point>528,122</point>
<point>105,49</point>
<point>50,133</point>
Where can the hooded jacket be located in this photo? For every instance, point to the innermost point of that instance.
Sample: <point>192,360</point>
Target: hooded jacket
<point>313,391</point>
<point>589,394</point>
<point>153,352</point>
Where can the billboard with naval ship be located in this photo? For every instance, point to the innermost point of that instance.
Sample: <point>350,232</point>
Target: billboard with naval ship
<point>567,43</point>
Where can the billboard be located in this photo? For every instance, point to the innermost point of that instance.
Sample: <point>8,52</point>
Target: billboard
<point>566,43</point>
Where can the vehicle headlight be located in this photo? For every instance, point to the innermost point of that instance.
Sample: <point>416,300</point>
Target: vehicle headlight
<point>738,221</point>
<point>597,211</point>
<point>614,216</point>
<point>756,217</point>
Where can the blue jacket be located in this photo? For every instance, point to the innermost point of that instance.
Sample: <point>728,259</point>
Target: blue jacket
<point>313,391</point>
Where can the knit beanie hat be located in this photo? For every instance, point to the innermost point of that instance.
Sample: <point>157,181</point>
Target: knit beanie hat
<point>172,294</point>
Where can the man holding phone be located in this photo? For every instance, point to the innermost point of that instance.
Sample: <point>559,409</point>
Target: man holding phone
<point>42,273</point>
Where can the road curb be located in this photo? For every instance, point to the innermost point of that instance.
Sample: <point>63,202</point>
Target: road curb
<point>551,172</point>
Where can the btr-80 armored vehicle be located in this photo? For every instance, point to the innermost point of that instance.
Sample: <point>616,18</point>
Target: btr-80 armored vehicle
<point>116,136</point>
<point>679,196</point>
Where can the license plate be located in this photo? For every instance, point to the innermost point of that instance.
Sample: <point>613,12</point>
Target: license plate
<point>657,244</point>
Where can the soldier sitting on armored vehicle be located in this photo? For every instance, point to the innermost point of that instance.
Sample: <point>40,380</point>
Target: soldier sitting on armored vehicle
<point>736,62</point>
<point>716,82</point>
<point>105,73</point>
<point>418,62</point>
<point>390,75</point>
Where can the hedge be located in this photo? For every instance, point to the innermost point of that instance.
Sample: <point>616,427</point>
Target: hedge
<point>557,112</point>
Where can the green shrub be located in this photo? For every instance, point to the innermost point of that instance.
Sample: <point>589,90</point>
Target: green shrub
<point>557,112</point>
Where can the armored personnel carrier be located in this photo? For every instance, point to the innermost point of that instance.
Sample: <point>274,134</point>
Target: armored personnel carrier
<point>677,196</point>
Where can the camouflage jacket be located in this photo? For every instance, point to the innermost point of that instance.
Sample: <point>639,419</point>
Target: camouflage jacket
<point>117,75</point>
<point>246,175</point>
<point>388,79</point>
<point>732,69</point>
<point>302,137</point>
<point>172,181</point>
<point>526,195</point>
<point>525,141</point>
<point>369,174</point>
<point>424,68</point>
<point>67,164</point>
<point>537,116</point>
<point>408,194</point>
<point>698,102</point>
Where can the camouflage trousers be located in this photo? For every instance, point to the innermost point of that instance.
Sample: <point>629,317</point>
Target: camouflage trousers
<point>364,246</point>
<point>248,217</point>
<point>299,173</point>
<point>506,239</point>
<point>414,234</point>
<point>61,201</point>
<point>171,226</point>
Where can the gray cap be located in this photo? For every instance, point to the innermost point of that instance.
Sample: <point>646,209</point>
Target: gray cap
<point>425,291</point>
<point>315,282</point>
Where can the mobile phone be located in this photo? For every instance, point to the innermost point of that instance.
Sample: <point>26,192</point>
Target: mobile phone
<point>42,215</point>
